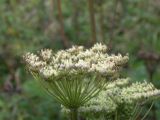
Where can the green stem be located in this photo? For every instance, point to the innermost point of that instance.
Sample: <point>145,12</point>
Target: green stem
<point>74,114</point>
<point>116,115</point>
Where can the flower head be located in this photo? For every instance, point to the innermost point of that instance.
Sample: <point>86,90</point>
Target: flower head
<point>46,54</point>
<point>75,75</point>
<point>93,60</point>
<point>99,48</point>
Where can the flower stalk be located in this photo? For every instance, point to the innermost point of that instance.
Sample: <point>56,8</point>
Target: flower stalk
<point>74,114</point>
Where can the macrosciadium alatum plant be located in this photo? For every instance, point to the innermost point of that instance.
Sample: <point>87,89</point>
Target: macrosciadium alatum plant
<point>76,75</point>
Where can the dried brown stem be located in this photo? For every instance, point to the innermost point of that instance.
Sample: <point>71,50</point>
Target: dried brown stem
<point>92,20</point>
<point>51,9</point>
<point>65,40</point>
<point>75,3</point>
<point>101,22</point>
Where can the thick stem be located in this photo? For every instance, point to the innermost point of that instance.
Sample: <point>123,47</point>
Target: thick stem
<point>101,22</point>
<point>116,115</point>
<point>74,114</point>
<point>51,9</point>
<point>65,40</point>
<point>75,20</point>
<point>92,20</point>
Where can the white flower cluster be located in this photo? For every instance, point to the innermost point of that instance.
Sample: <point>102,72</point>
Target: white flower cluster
<point>120,82</point>
<point>33,62</point>
<point>74,60</point>
<point>118,94</point>
<point>139,92</point>
<point>46,54</point>
<point>99,104</point>
<point>104,103</point>
<point>47,71</point>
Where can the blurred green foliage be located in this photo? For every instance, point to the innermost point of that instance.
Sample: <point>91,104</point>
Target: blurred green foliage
<point>33,104</point>
<point>29,25</point>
